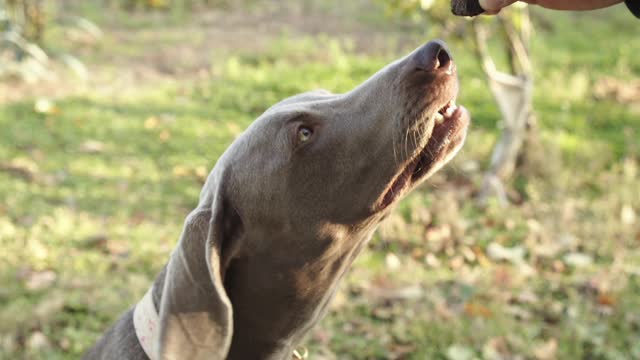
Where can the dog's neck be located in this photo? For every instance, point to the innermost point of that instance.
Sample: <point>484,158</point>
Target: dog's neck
<point>146,323</point>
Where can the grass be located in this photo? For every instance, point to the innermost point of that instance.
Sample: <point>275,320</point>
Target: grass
<point>94,193</point>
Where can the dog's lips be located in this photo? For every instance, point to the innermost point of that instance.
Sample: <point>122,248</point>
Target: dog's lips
<point>448,134</point>
<point>446,138</point>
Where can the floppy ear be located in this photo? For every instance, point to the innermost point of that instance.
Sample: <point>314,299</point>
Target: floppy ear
<point>195,311</point>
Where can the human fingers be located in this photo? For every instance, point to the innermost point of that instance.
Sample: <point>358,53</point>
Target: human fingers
<point>494,6</point>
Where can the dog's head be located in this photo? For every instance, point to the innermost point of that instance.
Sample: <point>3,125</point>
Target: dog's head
<point>280,211</point>
<point>321,157</point>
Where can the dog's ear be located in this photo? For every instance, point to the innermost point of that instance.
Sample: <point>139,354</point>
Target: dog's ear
<point>195,311</point>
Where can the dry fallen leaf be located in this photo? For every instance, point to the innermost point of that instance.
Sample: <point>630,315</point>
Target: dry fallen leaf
<point>45,106</point>
<point>459,352</point>
<point>502,276</point>
<point>392,261</point>
<point>65,343</point>
<point>41,280</point>
<point>339,300</point>
<point>558,266</point>
<point>400,351</point>
<point>383,312</point>
<point>627,215</point>
<point>165,135</point>
<point>498,252</point>
<point>468,254</point>
<point>234,129</point>
<point>38,341</point>
<point>201,173</point>
<point>432,260</point>
<point>439,233</point>
<point>396,293</point>
<point>9,343</point>
<point>496,349</point>
<point>99,240</point>
<point>547,350</point>
<point>606,299</point>
<point>92,147</point>
<point>151,123</point>
<point>321,336</point>
<point>51,305</point>
<point>417,253</point>
<point>624,91</point>
<point>518,312</point>
<point>456,263</point>
<point>180,171</point>
<point>117,247</point>
<point>528,297</point>
<point>21,167</point>
<point>578,259</point>
<point>477,310</point>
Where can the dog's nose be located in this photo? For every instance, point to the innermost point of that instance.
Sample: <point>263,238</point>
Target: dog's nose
<point>434,56</point>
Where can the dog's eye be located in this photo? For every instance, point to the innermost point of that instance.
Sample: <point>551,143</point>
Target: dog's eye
<point>304,134</point>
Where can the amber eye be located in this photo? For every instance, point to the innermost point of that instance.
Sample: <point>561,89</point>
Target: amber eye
<point>304,134</point>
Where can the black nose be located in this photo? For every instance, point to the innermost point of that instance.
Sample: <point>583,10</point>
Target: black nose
<point>434,56</point>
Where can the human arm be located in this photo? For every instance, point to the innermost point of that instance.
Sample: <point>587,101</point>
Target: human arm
<point>494,6</point>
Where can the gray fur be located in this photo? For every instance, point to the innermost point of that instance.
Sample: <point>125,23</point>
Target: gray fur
<point>280,221</point>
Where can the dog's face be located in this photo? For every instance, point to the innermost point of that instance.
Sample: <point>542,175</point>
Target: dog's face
<point>321,158</point>
<point>294,199</point>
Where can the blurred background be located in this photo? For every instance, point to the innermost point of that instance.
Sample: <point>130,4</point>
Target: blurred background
<point>112,113</point>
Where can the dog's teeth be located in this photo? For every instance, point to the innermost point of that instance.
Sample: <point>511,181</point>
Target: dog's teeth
<point>450,110</point>
<point>439,118</point>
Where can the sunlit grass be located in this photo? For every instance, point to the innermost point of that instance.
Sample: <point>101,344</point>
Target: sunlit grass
<point>98,191</point>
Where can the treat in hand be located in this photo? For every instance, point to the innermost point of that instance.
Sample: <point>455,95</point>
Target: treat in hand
<point>466,7</point>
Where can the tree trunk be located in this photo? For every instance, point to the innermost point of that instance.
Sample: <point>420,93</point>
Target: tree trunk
<point>513,93</point>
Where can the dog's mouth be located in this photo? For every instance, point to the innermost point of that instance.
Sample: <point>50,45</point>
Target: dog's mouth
<point>447,137</point>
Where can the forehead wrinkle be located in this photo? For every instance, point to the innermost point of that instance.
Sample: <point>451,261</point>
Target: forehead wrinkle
<point>312,105</point>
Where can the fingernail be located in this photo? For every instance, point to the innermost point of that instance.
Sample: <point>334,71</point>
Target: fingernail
<point>492,5</point>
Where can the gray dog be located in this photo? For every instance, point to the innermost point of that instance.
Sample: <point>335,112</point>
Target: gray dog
<point>286,210</point>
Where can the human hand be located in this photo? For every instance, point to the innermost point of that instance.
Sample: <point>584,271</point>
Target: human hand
<point>494,6</point>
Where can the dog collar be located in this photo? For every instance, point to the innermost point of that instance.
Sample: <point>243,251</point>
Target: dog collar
<point>145,321</point>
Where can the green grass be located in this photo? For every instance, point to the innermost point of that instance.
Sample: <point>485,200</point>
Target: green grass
<point>100,220</point>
